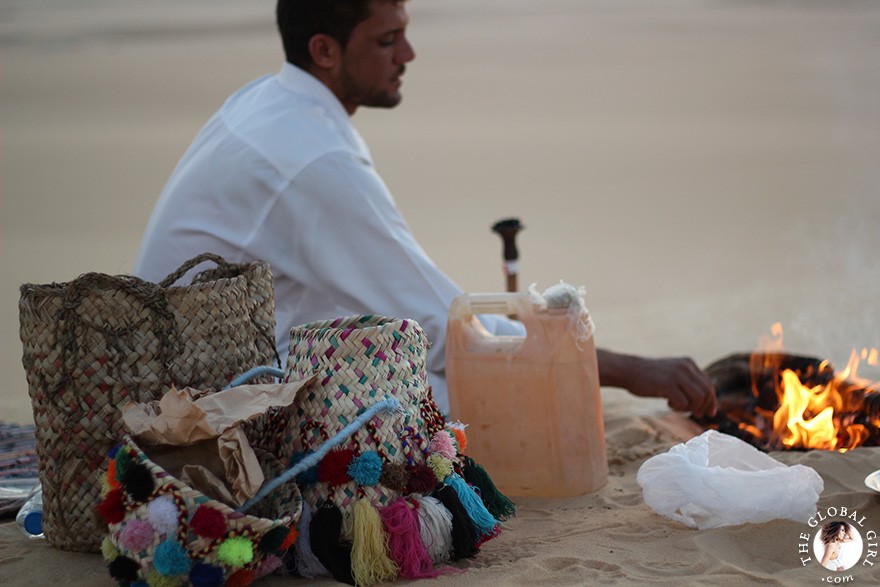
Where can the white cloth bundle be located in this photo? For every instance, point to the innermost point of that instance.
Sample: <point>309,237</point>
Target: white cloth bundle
<point>718,480</point>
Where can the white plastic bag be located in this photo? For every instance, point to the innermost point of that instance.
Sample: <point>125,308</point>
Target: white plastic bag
<point>718,480</point>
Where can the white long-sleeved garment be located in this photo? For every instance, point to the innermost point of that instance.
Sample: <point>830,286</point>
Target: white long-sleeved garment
<point>280,174</point>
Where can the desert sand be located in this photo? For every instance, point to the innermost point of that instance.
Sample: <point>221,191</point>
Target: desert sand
<point>607,537</point>
<point>704,169</point>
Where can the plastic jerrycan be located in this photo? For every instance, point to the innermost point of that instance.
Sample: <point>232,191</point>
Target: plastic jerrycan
<point>532,403</point>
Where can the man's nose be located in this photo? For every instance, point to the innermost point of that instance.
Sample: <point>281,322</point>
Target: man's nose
<point>406,53</point>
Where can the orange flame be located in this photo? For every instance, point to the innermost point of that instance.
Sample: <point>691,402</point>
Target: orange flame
<point>769,357</point>
<point>822,416</point>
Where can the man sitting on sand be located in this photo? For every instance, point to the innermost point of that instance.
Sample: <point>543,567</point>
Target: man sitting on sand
<point>280,174</point>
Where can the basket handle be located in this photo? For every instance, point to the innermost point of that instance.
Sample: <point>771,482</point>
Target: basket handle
<point>150,294</point>
<point>387,405</point>
<point>225,269</point>
<point>197,260</point>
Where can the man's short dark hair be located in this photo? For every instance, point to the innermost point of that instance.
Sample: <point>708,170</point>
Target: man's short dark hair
<point>300,20</point>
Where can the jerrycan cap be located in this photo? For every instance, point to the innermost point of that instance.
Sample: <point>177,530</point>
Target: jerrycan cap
<point>564,296</point>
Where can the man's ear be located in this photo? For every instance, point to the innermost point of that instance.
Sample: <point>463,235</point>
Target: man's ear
<point>325,51</point>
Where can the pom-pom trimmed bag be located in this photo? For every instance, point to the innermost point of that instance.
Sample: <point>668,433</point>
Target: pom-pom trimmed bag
<point>161,531</point>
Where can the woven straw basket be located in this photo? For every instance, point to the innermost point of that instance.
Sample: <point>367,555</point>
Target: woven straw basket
<point>99,340</point>
<point>162,530</point>
<point>359,359</point>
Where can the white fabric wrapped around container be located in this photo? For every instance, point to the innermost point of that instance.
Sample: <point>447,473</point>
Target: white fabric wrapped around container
<point>718,480</point>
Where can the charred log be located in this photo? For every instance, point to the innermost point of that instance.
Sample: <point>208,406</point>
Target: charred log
<point>746,385</point>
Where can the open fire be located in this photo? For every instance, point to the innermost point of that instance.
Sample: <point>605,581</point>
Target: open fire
<point>779,401</point>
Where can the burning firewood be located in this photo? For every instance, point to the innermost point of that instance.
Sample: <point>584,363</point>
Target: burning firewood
<point>751,392</point>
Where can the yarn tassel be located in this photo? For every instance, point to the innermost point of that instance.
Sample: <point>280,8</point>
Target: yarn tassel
<point>464,534</point>
<point>307,564</point>
<point>401,520</point>
<point>435,527</point>
<point>498,504</point>
<point>483,520</point>
<point>326,528</point>
<point>369,553</point>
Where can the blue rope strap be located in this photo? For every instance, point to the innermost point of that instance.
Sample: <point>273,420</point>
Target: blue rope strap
<point>256,372</point>
<point>387,405</point>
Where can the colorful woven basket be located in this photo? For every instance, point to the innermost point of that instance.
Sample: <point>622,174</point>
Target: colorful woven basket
<point>398,496</point>
<point>358,360</point>
<point>161,531</point>
<point>99,340</point>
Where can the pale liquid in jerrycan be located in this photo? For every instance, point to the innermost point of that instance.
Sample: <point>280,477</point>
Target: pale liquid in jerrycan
<point>532,403</point>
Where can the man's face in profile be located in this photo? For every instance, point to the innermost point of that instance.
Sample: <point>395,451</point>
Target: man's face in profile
<point>374,59</point>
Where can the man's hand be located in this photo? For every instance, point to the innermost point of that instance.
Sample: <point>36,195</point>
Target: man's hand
<point>685,387</point>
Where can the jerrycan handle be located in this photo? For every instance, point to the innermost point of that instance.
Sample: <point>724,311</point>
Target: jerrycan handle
<point>473,336</point>
<point>467,306</point>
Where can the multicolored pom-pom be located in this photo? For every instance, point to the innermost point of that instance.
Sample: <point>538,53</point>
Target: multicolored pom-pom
<point>157,579</point>
<point>112,508</point>
<point>112,481</point>
<point>123,460</point>
<point>105,486</point>
<point>309,476</point>
<point>138,481</point>
<point>108,549</point>
<point>273,539</point>
<point>291,539</point>
<point>333,469</point>
<point>458,430</point>
<point>241,578</point>
<point>441,466</point>
<point>163,514</point>
<point>236,551</point>
<point>366,468</point>
<point>394,476</point>
<point>171,559</point>
<point>206,575</point>
<point>123,568</point>
<point>208,522</point>
<point>137,535</point>
<point>422,479</point>
<point>443,444</point>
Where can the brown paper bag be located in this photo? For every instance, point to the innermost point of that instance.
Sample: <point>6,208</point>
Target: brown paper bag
<point>204,435</point>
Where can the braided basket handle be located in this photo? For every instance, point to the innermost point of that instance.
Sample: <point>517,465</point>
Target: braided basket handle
<point>225,266</point>
<point>224,269</point>
<point>150,294</point>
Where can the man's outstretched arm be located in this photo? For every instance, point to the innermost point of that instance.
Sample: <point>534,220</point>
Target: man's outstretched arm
<point>679,380</point>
